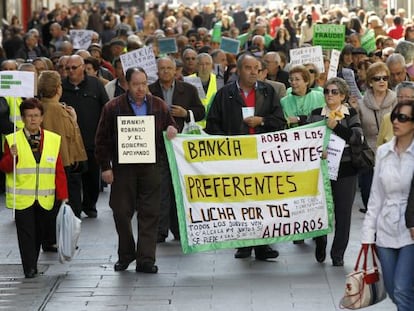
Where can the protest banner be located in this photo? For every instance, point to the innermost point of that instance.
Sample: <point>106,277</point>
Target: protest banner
<point>167,45</point>
<point>349,77</point>
<point>329,36</point>
<point>136,139</point>
<point>17,84</point>
<point>236,191</point>
<point>196,82</point>
<point>312,54</point>
<point>81,38</point>
<point>144,58</point>
<point>230,45</point>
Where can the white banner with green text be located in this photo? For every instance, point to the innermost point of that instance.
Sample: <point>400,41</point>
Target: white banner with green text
<point>235,191</point>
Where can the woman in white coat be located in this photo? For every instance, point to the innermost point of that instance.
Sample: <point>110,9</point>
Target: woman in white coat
<point>384,223</point>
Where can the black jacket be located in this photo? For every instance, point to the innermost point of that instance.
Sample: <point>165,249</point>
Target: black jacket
<point>225,115</point>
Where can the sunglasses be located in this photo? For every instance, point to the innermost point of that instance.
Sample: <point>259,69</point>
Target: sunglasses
<point>379,78</point>
<point>312,71</point>
<point>402,118</point>
<point>73,67</point>
<point>332,91</point>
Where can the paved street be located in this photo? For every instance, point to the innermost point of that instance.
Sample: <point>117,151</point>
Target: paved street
<point>204,281</point>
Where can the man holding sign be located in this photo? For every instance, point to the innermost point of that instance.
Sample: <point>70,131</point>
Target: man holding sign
<point>135,184</point>
<point>246,106</point>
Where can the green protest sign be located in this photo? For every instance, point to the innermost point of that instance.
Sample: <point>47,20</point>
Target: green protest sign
<point>329,36</point>
<point>236,191</point>
<point>368,41</point>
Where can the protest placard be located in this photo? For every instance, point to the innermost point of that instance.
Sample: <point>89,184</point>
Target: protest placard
<point>81,38</point>
<point>196,81</point>
<point>349,77</point>
<point>143,57</point>
<point>333,64</point>
<point>230,45</point>
<point>136,139</point>
<point>368,41</point>
<point>329,36</point>
<point>167,45</point>
<point>235,191</point>
<point>17,83</point>
<point>312,54</point>
<point>334,154</point>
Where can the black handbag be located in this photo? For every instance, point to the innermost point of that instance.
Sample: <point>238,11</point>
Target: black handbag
<point>362,156</point>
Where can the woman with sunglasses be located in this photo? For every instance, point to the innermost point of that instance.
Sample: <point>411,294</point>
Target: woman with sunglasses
<point>384,223</point>
<point>378,100</point>
<point>344,122</point>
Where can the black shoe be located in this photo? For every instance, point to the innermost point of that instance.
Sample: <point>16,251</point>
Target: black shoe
<point>299,242</point>
<point>50,248</point>
<point>30,274</point>
<point>91,213</point>
<point>146,267</point>
<point>121,266</point>
<point>161,239</point>
<point>243,252</point>
<point>363,210</point>
<point>320,251</point>
<point>265,252</point>
<point>337,262</point>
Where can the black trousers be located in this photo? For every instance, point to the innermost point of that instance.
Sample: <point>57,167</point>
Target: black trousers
<point>91,182</point>
<point>168,208</point>
<point>30,225</point>
<point>343,193</point>
<point>136,188</point>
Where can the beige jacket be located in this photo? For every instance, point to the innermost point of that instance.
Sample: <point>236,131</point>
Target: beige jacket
<point>58,120</point>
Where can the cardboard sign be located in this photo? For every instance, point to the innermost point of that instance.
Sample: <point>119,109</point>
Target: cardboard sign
<point>305,55</point>
<point>81,38</point>
<point>17,83</point>
<point>144,58</point>
<point>329,36</point>
<point>167,45</point>
<point>136,139</point>
<point>230,45</point>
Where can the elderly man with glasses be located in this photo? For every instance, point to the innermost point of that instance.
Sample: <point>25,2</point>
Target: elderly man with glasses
<point>88,96</point>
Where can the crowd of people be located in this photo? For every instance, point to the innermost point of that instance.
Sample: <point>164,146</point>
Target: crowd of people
<point>80,92</point>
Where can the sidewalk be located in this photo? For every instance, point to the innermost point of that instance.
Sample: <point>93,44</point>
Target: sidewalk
<point>203,281</point>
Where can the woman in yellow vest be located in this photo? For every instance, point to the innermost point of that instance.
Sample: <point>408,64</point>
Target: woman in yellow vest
<point>39,175</point>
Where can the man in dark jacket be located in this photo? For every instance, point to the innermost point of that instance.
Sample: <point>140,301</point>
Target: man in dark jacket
<point>180,98</point>
<point>134,186</point>
<point>87,95</point>
<point>225,117</point>
<point>30,50</point>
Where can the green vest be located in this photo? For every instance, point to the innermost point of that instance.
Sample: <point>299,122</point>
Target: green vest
<point>34,181</point>
<point>293,105</point>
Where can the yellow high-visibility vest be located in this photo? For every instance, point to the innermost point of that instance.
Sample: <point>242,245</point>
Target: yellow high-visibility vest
<point>211,92</point>
<point>15,112</point>
<point>34,181</point>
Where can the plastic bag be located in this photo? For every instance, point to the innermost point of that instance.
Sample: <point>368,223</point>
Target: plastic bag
<point>68,229</point>
<point>192,127</point>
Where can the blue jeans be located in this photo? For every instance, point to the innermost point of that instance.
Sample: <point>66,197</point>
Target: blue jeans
<point>398,271</point>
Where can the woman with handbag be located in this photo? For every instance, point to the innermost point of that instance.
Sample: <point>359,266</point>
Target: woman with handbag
<point>344,122</point>
<point>384,223</point>
<point>376,102</point>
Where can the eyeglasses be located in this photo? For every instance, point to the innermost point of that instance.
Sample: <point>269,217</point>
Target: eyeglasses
<point>402,118</point>
<point>73,67</point>
<point>379,78</point>
<point>190,58</point>
<point>405,97</point>
<point>331,91</point>
<point>313,71</point>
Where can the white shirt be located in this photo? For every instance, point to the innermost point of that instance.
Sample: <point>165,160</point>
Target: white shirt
<point>387,203</point>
